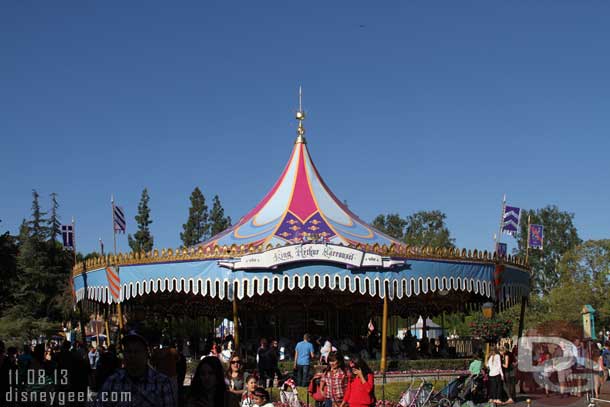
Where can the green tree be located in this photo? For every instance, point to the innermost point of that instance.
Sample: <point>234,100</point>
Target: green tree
<point>53,223</point>
<point>423,228</point>
<point>392,225</point>
<point>585,274</point>
<point>217,220</point>
<point>560,236</point>
<point>196,228</point>
<point>8,270</point>
<point>142,240</point>
<point>37,223</point>
<point>427,228</point>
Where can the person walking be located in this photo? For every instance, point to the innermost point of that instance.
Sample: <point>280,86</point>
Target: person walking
<point>508,373</point>
<point>334,381</point>
<point>494,364</point>
<point>208,387</point>
<point>303,353</point>
<point>146,386</point>
<point>360,391</point>
<point>235,379</point>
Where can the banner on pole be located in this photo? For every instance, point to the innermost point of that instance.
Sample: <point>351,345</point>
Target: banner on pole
<point>510,220</point>
<point>536,236</point>
<point>67,235</point>
<point>502,250</point>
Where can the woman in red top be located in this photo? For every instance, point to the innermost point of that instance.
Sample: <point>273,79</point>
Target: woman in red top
<point>360,390</point>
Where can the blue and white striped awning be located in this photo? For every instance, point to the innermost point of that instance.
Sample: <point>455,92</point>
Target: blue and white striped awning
<point>207,279</point>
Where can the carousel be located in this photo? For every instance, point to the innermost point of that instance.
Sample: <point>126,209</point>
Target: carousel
<point>300,261</point>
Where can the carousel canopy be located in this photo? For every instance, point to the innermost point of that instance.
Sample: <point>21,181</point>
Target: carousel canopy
<point>301,238</point>
<point>300,207</point>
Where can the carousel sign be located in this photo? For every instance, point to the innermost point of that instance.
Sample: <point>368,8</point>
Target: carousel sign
<point>310,252</point>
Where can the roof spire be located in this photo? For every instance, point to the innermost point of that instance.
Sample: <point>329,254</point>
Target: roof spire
<point>300,117</point>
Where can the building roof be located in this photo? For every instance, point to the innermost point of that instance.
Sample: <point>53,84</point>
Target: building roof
<point>300,207</point>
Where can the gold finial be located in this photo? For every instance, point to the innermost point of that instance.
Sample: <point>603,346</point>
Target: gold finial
<point>300,117</point>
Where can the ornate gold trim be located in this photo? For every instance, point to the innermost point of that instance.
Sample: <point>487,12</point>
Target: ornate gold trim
<point>220,252</point>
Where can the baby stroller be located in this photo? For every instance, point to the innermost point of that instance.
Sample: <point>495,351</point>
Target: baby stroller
<point>449,394</point>
<point>418,397</point>
<point>289,394</point>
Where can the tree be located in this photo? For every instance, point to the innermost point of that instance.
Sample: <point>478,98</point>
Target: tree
<point>217,220</point>
<point>392,225</point>
<point>196,228</point>
<point>427,228</point>
<point>37,222</point>
<point>423,228</point>
<point>560,236</point>
<point>142,240</point>
<point>54,226</point>
<point>8,270</point>
<point>585,273</point>
<point>36,273</point>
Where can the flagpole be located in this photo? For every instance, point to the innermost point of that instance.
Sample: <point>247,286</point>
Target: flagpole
<point>499,236</point>
<point>116,264</point>
<point>80,304</point>
<point>527,248</point>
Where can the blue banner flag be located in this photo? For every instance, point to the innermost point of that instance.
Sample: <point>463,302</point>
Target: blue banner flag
<point>118,217</point>
<point>510,220</point>
<point>501,250</point>
<point>67,235</point>
<point>536,237</point>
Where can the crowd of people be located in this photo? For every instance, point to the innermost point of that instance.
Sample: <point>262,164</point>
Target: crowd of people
<point>140,375</point>
<point>155,375</point>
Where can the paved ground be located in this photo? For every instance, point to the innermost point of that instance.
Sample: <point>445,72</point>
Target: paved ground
<point>555,400</point>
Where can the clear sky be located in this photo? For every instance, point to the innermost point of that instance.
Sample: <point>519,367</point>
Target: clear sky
<point>411,106</point>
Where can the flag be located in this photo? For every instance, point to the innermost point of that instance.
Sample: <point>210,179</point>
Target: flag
<point>102,246</point>
<point>371,326</point>
<point>536,236</point>
<point>67,235</point>
<point>510,220</point>
<point>118,217</point>
<point>114,283</point>
<point>501,250</point>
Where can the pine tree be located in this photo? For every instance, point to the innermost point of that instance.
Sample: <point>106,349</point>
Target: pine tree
<point>196,228</point>
<point>8,270</point>
<point>217,220</point>
<point>36,224</point>
<point>142,240</point>
<point>53,222</point>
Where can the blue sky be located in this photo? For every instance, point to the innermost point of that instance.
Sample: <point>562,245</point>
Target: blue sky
<point>411,106</point>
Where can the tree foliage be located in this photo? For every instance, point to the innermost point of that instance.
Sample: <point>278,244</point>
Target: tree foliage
<point>8,269</point>
<point>196,229</point>
<point>217,220</point>
<point>142,240</point>
<point>560,236</point>
<point>423,228</point>
<point>36,271</point>
<point>392,225</point>
<point>53,223</point>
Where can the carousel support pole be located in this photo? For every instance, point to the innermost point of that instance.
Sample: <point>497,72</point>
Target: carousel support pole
<point>235,324</point>
<point>107,325</point>
<point>384,343</point>
<point>522,316</point>
<point>81,322</point>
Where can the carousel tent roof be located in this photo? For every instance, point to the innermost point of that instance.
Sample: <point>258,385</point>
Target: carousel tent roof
<point>300,207</point>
